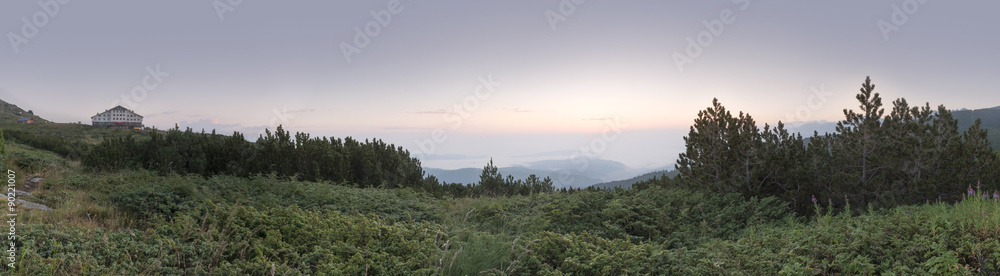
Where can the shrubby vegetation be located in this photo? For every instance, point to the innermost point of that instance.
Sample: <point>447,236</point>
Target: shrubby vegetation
<point>898,194</point>
<point>231,225</point>
<point>234,240</point>
<point>936,239</point>
<point>69,148</point>
<point>393,231</point>
<point>673,218</point>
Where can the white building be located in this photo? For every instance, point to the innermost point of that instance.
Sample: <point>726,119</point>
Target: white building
<point>117,117</point>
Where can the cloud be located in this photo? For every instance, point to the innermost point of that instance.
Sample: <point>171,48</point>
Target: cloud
<point>598,119</point>
<point>519,110</point>
<point>304,110</point>
<point>154,115</point>
<point>438,111</point>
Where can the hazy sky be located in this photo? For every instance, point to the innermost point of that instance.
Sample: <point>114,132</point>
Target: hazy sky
<point>502,79</point>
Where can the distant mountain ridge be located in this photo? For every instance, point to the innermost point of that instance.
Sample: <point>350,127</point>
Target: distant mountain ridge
<point>570,173</point>
<point>627,183</point>
<point>990,117</point>
<point>471,175</point>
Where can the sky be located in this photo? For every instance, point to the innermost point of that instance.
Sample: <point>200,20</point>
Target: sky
<point>460,82</point>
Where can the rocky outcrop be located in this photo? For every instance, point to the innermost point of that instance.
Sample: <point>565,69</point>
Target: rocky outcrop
<point>32,183</point>
<point>24,203</point>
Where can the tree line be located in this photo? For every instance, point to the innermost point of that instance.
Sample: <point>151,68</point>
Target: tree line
<point>913,154</point>
<point>364,163</point>
<point>368,163</point>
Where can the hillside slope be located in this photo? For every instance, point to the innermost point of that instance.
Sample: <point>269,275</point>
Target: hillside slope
<point>627,183</point>
<point>990,121</point>
<point>9,113</point>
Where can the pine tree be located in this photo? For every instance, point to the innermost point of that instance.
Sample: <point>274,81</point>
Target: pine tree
<point>724,153</point>
<point>859,135</point>
<point>784,167</point>
<point>490,180</point>
<point>978,154</point>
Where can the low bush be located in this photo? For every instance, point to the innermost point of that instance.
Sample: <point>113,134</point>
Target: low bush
<point>673,217</point>
<point>936,239</point>
<point>235,240</point>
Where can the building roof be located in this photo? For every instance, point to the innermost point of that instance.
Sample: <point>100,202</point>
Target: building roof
<point>25,119</point>
<point>119,107</point>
